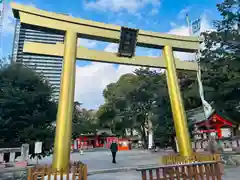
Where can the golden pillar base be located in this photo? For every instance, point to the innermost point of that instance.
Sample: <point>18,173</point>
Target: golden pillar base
<point>179,116</point>
<point>63,134</point>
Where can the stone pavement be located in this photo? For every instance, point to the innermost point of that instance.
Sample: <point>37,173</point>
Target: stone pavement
<point>100,166</point>
<point>103,159</point>
<point>232,173</point>
<point>99,162</point>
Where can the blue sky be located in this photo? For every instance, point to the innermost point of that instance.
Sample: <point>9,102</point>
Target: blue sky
<point>156,15</point>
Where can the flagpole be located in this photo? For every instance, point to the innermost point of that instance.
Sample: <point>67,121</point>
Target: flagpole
<point>207,108</point>
<point>188,24</point>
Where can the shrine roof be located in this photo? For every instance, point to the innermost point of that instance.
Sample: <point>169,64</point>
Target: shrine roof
<point>197,115</point>
<point>106,132</point>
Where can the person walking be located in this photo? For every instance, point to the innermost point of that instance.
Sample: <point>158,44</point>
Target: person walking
<point>114,150</point>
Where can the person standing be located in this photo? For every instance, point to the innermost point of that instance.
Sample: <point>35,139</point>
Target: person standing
<point>114,150</point>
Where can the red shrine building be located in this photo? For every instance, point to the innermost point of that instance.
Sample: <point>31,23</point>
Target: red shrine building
<point>100,139</point>
<point>216,124</point>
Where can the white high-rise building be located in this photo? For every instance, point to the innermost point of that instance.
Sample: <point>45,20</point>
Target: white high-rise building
<point>49,67</point>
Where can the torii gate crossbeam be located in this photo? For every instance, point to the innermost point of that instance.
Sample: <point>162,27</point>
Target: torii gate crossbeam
<point>74,28</point>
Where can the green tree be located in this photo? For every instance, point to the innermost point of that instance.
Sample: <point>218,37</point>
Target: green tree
<point>190,89</point>
<point>26,109</point>
<point>116,110</point>
<point>142,96</point>
<point>221,60</point>
<point>84,121</point>
<point>134,100</point>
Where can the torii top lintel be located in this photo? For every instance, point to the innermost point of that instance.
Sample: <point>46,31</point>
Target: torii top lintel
<point>100,31</point>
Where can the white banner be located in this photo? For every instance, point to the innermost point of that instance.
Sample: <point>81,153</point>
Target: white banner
<point>208,110</point>
<point>38,147</point>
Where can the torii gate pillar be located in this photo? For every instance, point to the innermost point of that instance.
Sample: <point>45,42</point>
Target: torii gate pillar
<point>63,136</point>
<point>179,115</point>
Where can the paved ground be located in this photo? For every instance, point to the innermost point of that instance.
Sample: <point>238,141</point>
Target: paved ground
<point>101,160</point>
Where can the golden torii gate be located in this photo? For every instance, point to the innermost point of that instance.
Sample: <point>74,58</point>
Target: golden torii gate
<point>75,28</point>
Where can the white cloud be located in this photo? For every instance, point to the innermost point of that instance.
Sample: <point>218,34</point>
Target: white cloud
<point>112,47</point>
<point>180,30</point>
<point>8,23</point>
<point>92,79</point>
<point>173,24</point>
<point>125,23</point>
<point>86,43</point>
<point>184,31</point>
<point>8,20</point>
<point>154,11</point>
<point>131,6</point>
<point>206,25</point>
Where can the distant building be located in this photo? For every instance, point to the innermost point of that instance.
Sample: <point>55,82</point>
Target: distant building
<point>49,67</point>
